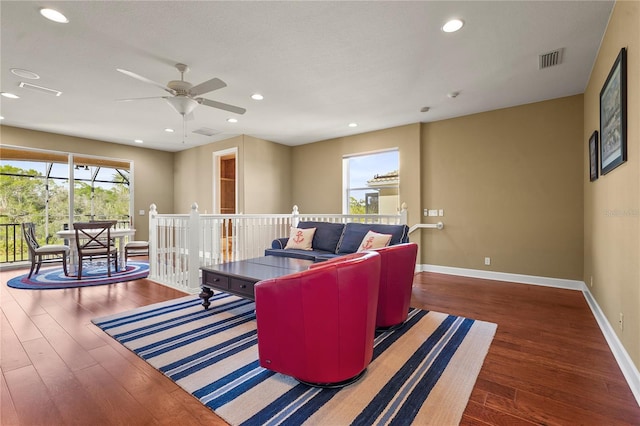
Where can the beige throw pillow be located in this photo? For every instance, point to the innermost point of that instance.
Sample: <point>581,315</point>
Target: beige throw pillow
<point>300,238</point>
<point>373,240</point>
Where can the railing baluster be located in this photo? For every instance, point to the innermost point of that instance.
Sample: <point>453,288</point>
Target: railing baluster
<point>226,238</point>
<point>12,245</point>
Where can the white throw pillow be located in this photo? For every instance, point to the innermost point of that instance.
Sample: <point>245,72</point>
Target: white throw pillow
<point>300,238</point>
<point>373,240</point>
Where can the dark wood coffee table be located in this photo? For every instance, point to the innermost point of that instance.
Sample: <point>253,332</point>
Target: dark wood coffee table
<point>239,277</point>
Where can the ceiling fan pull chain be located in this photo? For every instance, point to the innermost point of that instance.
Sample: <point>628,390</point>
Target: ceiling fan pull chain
<point>184,128</point>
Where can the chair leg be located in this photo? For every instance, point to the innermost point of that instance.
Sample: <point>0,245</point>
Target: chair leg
<point>79,267</point>
<point>64,265</point>
<point>33,265</point>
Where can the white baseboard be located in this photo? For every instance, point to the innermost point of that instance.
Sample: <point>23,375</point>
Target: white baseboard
<point>627,366</point>
<point>504,276</point>
<point>629,370</point>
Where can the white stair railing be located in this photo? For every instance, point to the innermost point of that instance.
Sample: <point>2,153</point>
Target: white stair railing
<point>180,244</point>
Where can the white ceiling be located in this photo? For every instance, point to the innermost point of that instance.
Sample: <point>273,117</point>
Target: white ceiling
<point>319,65</point>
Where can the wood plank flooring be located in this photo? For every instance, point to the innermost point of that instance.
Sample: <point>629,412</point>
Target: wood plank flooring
<point>548,364</point>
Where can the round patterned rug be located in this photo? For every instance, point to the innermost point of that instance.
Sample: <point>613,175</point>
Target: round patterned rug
<point>91,275</point>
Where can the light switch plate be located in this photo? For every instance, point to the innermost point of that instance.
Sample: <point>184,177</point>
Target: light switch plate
<point>141,212</point>
<point>433,212</point>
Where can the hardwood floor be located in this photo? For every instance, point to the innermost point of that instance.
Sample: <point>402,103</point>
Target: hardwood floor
<point>548,364</point>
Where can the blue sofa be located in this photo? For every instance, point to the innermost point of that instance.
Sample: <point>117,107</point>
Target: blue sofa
<point>336,239</point>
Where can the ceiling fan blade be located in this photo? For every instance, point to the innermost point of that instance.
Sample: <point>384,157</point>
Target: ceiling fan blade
<point>207,86</point>
<point>146,80</point>
<point>141,99</point>
<point>220,105</point>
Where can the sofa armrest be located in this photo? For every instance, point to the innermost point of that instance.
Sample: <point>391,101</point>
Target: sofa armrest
<point>279,243</point>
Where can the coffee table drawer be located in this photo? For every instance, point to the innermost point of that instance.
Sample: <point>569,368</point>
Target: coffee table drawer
<point>241,286</point>
<point>219,281</point>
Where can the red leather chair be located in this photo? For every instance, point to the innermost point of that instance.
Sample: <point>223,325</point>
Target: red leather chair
<point>318,325</point>
<point>397,268</point>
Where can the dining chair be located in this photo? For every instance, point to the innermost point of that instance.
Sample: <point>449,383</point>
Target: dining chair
<point>93,239</point>
<point>48,253</point>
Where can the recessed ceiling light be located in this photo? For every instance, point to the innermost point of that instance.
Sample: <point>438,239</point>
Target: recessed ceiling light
<point>168,130</point>
<point>452,26</point>
<point>9,95</point>
<point>25,73</point>
<point>138,140</point>
<point>1,117</point>
<point>353,124</point>
<point>257,97</point>
<point>232,120</point>
<point>54,15</point>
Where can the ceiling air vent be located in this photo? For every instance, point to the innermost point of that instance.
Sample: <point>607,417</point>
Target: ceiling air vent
<point>41,89</point>
<point>205,131</point>
<point>550,59</point>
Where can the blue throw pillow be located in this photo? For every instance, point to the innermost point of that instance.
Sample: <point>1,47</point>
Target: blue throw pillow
<point>354,234</point>
<point>327,235</point>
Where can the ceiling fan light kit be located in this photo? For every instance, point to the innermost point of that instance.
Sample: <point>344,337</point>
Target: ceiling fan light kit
<point>182,104</point>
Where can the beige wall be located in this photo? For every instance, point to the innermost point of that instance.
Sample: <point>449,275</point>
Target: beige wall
<point>152,170</point>
<point>510,184</point>
<point>612,203</point>
<point>193,175</point>
<point>267,167</point>
<point>263,176</point>
<point>316,169</point>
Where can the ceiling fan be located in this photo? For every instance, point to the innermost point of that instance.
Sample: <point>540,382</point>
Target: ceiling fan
<point>185,96</point>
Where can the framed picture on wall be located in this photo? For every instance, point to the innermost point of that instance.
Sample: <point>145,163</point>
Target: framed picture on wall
<point>593,156</point>
<point>613,116</point>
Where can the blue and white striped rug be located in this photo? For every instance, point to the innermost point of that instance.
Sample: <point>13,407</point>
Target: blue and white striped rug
<point>422,373</point>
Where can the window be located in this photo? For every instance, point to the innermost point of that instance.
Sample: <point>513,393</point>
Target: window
<point>100,193</point>
<point>371,183</point>
<point>35,187</point>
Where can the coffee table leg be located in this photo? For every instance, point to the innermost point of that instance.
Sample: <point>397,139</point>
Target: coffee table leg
<point>205,295</point>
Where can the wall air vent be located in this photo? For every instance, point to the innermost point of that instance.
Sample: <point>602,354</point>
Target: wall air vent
<point>40,89</point>
<point>205,131</point>
<point>550,59</point>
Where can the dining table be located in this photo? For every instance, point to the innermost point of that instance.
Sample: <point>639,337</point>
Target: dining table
<point>119,234</point>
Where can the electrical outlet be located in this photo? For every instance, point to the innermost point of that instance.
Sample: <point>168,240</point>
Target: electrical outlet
<point>426,212</point>
<point>591,282</point>
<point>487,261</point>
<point>441,212</point>
<point>621,322</point>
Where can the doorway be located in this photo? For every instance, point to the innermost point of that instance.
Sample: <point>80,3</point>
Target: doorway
<point>225,196</point>
<point>225,181</point>
<point>228,184</point>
